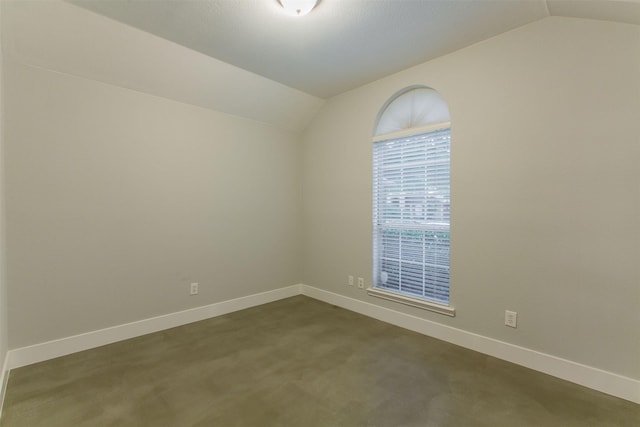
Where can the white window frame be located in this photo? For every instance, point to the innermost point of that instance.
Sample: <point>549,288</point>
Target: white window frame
<point>379,289</point>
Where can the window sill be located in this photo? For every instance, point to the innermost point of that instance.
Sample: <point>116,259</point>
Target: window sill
<point>413,302</point>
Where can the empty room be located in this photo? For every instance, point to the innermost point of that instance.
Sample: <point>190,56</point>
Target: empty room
<point>320,213</point>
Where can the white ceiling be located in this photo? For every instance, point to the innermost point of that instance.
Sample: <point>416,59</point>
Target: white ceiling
<point>341,44</point>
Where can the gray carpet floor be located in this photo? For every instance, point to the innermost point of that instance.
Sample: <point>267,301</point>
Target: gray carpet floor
<point>297,362</point>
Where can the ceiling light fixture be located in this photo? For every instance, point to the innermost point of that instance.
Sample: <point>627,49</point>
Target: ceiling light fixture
<point>298,7</point>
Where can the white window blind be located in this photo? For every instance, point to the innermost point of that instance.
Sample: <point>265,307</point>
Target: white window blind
<point>411,214</point>
<point>412,109</point>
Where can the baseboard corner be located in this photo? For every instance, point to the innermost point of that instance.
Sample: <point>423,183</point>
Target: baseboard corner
<point>40,352</point>
<point>4,379</point>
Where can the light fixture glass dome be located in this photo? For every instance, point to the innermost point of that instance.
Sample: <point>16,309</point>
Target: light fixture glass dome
<point>298,7</point>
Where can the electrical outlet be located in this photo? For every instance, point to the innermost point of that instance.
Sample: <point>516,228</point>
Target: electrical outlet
<point>194,289</point>
<point>350,280</point>
<point>360,282</point>
<point>511,318</point>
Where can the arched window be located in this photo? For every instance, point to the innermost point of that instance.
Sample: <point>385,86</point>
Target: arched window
<point>411,200</point>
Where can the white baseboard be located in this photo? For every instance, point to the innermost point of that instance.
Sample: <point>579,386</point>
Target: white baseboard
<point>51,349</point>
<point>594,378</point>
<point>4,378</point>
<point>597,379</point>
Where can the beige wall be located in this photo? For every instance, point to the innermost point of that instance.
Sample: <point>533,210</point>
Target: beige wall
<point>3,282</point>
<point>117,200</point>
<point>545,188</point>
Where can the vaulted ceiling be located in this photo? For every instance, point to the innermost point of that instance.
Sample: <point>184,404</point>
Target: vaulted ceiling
<point>341,44</point>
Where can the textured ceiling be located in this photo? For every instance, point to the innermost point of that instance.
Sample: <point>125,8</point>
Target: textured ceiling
<point>341,44</point>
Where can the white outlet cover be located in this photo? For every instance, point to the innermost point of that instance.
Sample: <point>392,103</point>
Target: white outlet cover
<point>511,318</point>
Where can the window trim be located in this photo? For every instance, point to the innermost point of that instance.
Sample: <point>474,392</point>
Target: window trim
<point>424,304</point>
<point>414,301</point>
<point>411,131</point>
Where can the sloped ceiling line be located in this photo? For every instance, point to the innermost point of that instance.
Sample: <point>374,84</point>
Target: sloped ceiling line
<point>248,59</point>
<point>342,44</point>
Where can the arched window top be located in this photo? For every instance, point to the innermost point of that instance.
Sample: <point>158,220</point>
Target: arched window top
<point>414,107</point>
